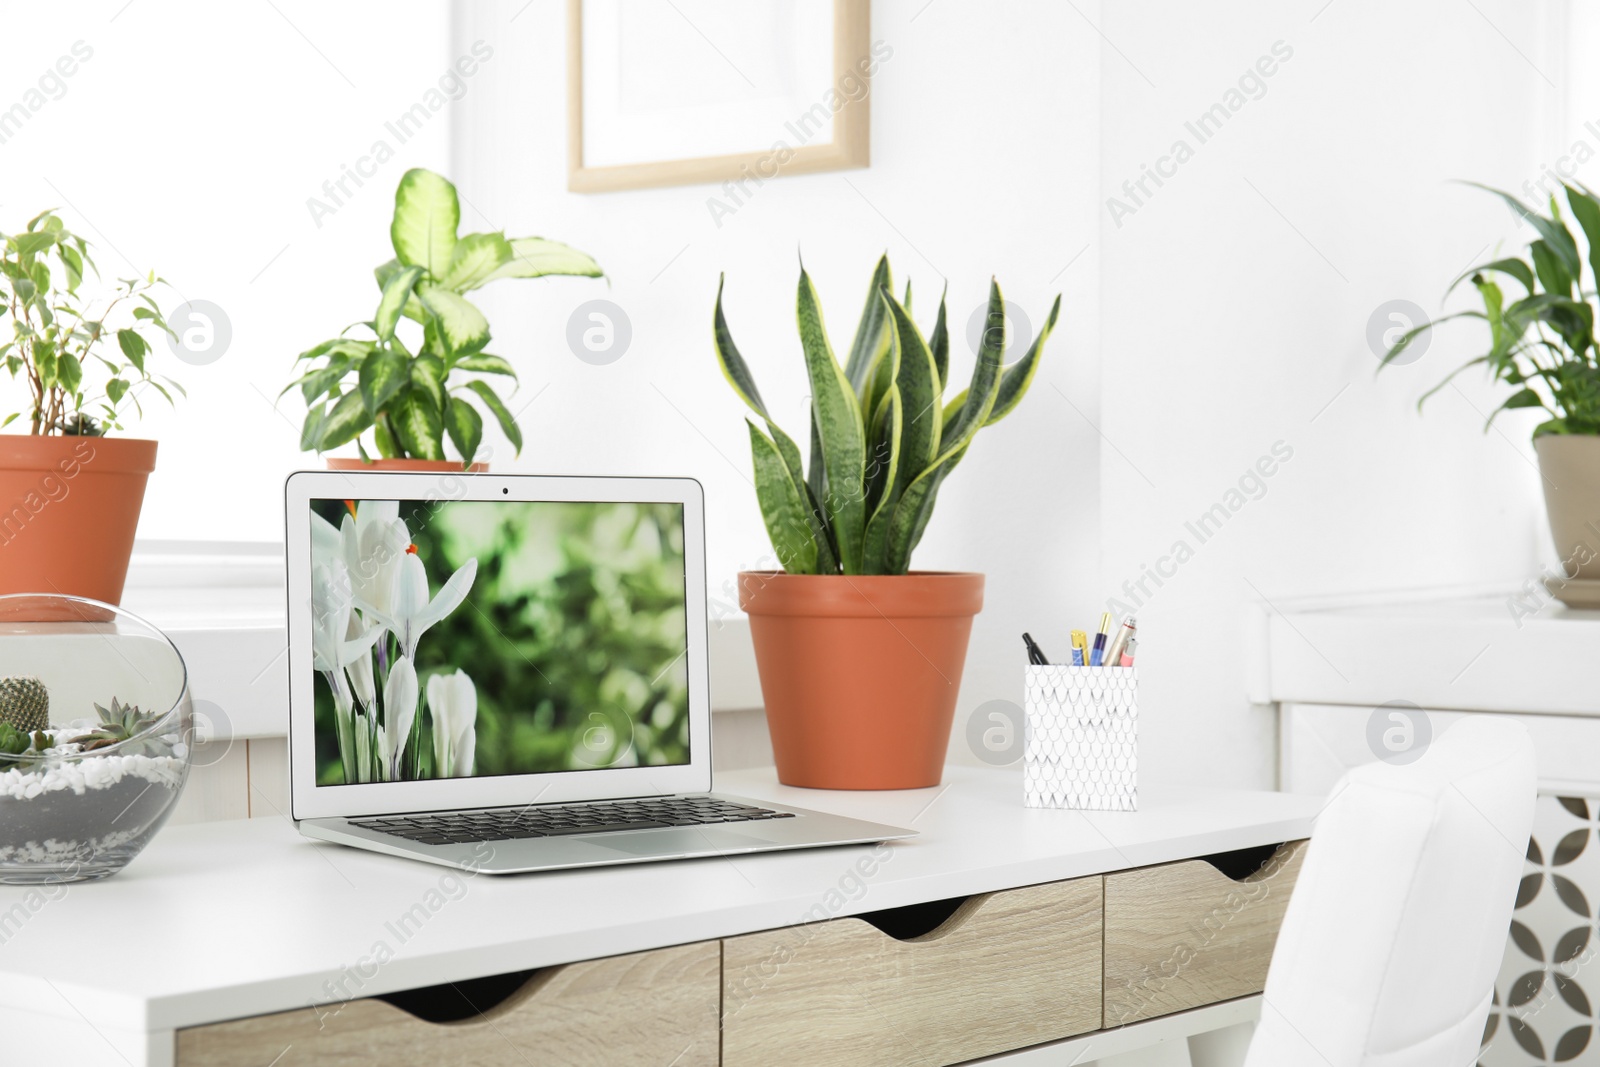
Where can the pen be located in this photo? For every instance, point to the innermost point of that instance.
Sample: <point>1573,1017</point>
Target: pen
<point>1097,657</point>
<point>1035,653</point>
<point>1127,652</point>
<point>1080,648</point>
<point>1114,654</point>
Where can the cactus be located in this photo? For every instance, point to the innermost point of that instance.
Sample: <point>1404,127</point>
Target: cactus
<point>24,703</point>
<point>117,724</point>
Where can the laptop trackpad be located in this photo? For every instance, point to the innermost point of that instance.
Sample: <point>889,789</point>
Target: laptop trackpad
<point>680,840</point>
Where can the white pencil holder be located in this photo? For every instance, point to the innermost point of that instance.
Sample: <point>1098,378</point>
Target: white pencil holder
<point>1080,742</point>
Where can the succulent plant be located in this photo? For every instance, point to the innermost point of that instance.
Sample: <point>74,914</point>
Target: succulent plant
<point>117,724</point>
<point>13,742</point>
<point>24,703</point>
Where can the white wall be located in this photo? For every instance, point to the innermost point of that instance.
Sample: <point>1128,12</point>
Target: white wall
<point>1234,307</point>
<point>984,135</point>
<point>190,141</point>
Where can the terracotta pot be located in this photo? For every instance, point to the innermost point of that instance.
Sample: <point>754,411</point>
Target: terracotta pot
<point>860,673</point>
<point>1569,465</point>
<point>69,507</point>
<point>413,466</point>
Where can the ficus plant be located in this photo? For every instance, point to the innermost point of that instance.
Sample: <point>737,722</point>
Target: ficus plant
<point>883,440</point>
<point>412,392</point>
<point>77,383</point>
<point>1541,344</point>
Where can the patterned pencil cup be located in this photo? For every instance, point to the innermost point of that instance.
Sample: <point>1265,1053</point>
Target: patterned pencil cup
<point>1081,738</point>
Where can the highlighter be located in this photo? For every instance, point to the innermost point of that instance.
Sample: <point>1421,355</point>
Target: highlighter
<point>1097,656</point>
<point>1080,648</point>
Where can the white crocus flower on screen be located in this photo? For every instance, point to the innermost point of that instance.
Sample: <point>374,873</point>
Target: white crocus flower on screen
<point>399,709</point>
<point>334,643</point>
<point>373,544</point>
<point>453,700</point>
<point>413,612</point>
<point>324,540</point>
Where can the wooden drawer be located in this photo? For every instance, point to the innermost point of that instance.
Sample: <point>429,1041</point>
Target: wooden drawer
<point>1185,934</point>
<point>1005,970</point>
<point>649,1009</point>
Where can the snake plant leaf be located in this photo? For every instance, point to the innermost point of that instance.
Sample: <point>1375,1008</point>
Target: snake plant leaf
<point>914,508</point>
<point>502,414</point>
<point>417,426</point>
<point>463,326</point>
<point>484,363</point>
<point>1015,381</point>
<point>733,365</point>
<point>917,383</point>
<point>872,334</point>
<point>839,425</point>
<point>1555,235</point>
<point>1514,267</point>
<point>536,257</point>
<point>984,385</point>
<point>426,216</point>
<point>906,303</point>
<point>347,420</point>
<point>1586,209</point>
<point>939,343</point>
<point>382,375</point>
<point>427,376</point>
<point>475,258</point>
<point>396,292</point>
<point>782,507</point>
<point>465,427</point>
<point>887,456</point>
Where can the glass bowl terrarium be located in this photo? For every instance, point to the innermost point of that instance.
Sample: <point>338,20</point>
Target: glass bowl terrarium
<point>95,724</point>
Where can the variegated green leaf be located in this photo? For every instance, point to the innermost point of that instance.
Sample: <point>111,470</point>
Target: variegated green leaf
<point>463,325</point>
<point>782,507</point>
<point>426,215</point>
<point>475,258</point>
<point>839,425</point>
<point>465,426</point>
<point>1015,381</point>
<point>887,455</point>
<point>346,421</point>
<point>382,375</point>
<point>917,382</point>
<point>502,414</point>
<point>536,257</point>
<point>418,427</point>
<point>872,334</point>
<point>396,291</point>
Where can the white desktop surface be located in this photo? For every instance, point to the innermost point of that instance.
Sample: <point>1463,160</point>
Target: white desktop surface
<point>228,919</point>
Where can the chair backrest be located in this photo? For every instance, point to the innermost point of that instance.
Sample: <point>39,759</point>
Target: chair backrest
<point>1397,925</point>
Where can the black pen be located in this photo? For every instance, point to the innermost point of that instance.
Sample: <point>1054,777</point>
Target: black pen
<point>1035,654</point>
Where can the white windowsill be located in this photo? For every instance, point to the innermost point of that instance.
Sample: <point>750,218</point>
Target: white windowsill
<point>223,606</point>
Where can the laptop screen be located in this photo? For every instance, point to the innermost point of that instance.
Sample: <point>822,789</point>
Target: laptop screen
<point>472,638</point>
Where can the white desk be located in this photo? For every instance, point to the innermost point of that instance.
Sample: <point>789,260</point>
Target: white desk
<point>241,918</point>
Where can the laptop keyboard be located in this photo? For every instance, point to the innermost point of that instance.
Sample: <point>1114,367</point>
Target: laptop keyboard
<point>506,824</point>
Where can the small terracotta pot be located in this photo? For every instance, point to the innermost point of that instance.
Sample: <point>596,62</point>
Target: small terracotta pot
<point>415,466</point>
<point>1569,468</point>
<point>69,507</point>
<point>860,673</point>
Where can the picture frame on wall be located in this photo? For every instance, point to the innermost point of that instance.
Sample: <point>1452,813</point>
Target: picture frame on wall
<point>709,91</point>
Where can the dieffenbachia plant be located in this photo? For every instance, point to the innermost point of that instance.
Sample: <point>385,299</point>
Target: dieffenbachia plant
<point>412,396</point>
<point>1542,345</point>
<point>882,440</point>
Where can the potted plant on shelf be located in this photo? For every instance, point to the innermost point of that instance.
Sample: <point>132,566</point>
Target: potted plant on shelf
<point>1543,346</point>
<point>413,393</point>
<point>70,495</point>
<point>860,658</point>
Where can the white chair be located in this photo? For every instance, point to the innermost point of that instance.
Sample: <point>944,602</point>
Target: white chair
<point>1395,931</point>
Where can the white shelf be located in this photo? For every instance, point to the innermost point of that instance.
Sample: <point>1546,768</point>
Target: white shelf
<point>1469,651</point>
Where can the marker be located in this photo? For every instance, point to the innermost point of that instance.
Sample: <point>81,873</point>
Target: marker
<point>1080,648</point>
<point>1035,654</point>
<point>1127,652</point>
<point>1114,654</point>
<point>1097,657</point>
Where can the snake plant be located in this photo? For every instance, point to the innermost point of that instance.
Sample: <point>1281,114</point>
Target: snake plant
<point>882,439</point>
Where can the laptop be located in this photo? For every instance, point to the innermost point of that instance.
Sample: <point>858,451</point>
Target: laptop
<point>507,673</point>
